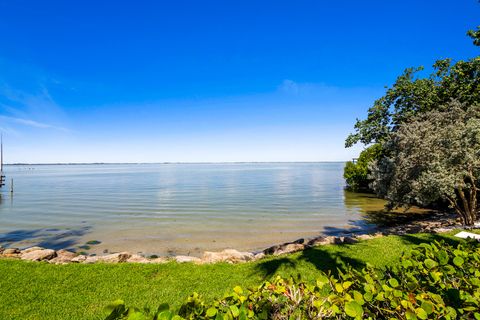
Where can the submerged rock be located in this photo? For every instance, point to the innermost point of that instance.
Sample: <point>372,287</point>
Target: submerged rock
<point>39,255</point>
<point>227,255</point>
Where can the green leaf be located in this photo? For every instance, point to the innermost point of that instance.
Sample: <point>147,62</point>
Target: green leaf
<point>393,282</point>
<point>353,309</point>
<point>235,311</point>
<point>430,264</point>
<point>338,287</point>
<point>211,312</point>
<point>442,256</point>
<point>368,296</point>
<point>163,307</point>
<point>407,263</point>
<point>422,314</point>
<point>458,261</point>
<point>347,284</point>
<point>427,306</point>
<point>238,290</point>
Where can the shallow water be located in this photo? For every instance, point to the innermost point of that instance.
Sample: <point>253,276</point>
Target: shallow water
<point>176,208</point>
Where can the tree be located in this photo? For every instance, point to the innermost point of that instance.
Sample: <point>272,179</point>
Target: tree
<point>411,95</point>
<point>475,35</point>
<point>434,156</point>
<point>356,173</point>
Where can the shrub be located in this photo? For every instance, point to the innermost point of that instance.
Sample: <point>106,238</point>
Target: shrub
<point>432,281</point>
<point>356,173</point>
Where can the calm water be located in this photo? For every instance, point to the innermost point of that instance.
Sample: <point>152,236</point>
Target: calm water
<point>175,208</point>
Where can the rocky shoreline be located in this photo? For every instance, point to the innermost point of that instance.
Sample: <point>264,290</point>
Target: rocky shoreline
<point>400,225</point>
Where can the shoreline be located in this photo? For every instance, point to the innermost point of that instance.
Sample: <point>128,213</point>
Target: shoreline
<point>393,224</point>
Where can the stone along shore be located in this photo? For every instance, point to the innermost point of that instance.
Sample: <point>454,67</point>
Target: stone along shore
<point>437,223</point>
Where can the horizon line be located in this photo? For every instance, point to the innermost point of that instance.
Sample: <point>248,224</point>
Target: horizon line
<point>166,162</point>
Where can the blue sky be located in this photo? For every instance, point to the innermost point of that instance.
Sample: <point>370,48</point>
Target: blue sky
<point>208,81</point>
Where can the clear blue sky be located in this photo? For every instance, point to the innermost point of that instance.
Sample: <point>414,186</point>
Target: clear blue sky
<point>195,81</point>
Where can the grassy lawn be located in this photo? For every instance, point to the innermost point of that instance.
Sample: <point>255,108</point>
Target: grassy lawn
<point>31,290</point>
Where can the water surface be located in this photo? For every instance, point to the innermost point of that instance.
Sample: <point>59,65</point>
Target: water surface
<point>176,208</point>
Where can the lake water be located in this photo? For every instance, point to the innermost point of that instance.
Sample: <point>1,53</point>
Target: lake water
<point>176,208</point>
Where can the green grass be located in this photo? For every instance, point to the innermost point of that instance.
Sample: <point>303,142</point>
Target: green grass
<point>30,290</point>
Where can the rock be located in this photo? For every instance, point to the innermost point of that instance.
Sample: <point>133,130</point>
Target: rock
<point>349,240</point>
<point>31,249</point>
<point>11,251</point>
<point>63,256</point>
<point>364,237</point>
<point>115,257</point>
<point>1,249</point>
<point>258,256</point>
<point>91,259</point>
<point>271,250</point>
<point>138,259</point>
<point>299,241</point>
<point>79,258</point>
<point>289,248</point>
<point>321,241</point>
<point>39,255</point>
<point>227,255</point>
<point>160,260</point>
<point>442,230</point>
<point>183,259</point>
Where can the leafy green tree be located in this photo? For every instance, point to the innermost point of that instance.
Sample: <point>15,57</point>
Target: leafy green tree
<point>356,173</point>
<point>433,157</point>
<point>475,35</point>
<point>411,95</point>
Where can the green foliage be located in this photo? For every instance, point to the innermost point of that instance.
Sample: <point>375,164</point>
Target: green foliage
<point>356,173</point>
<point>411,95</point>
<point>435,157</point>
<point>475,35</point>
<point>432,281</point>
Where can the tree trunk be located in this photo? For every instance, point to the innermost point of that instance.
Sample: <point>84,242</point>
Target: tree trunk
<point>469,205</point>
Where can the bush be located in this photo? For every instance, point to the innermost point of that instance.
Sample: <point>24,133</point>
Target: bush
<point>432,281</point>
<point>356,173</point>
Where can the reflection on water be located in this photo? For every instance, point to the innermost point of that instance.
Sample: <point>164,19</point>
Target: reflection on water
<point>185,208</point>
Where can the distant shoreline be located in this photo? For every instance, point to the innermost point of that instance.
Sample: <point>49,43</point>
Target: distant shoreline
<point>140,163</point>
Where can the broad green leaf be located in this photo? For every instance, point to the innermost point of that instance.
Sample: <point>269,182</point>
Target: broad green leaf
<point>458,261</point>
<point>422,314</point>
<point>235,311</point>
<point>393,282</point>
<point>430,264</point>
<point>211,312</point>
<point>353,309</point>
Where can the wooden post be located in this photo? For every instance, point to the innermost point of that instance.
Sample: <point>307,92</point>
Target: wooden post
<point>11,185</point>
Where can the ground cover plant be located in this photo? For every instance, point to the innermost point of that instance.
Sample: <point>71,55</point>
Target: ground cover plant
<point>31,290</point>
<point>430,281</point>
